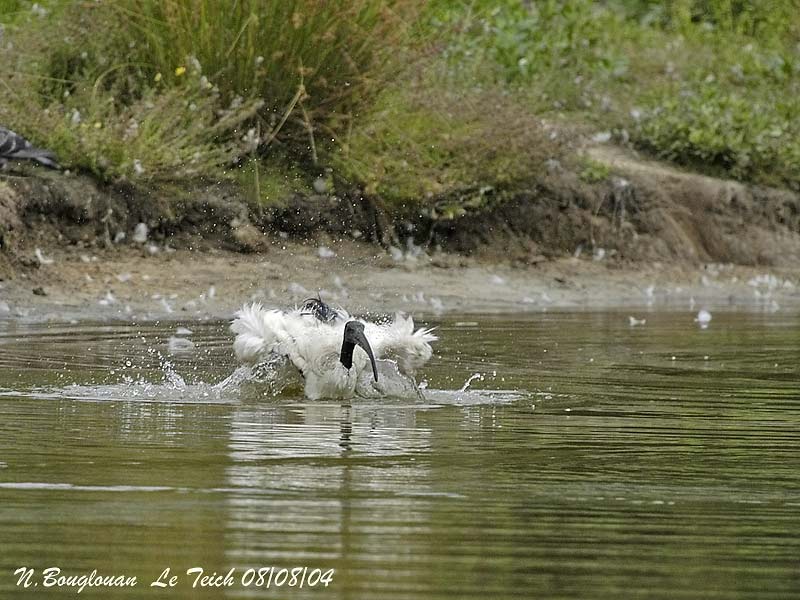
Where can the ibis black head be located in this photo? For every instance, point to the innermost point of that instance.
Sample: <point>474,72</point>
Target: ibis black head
<point>321,311</point>
<point>354,336</point>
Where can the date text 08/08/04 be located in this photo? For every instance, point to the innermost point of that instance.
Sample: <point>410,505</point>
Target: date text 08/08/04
<point>264,577</point>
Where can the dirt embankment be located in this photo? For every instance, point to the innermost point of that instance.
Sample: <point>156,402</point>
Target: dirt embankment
<point>645,212</point>
<point>648,233</point>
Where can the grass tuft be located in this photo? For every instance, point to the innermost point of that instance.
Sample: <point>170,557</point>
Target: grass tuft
<point>420,145</point>
<point>311,63</point>
<point>172,89</point>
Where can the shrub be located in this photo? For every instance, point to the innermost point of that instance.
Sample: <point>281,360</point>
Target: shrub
<point>164,134</point>
<point>745,136</point>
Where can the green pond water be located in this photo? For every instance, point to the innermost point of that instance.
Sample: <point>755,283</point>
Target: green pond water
<point>589,459</point>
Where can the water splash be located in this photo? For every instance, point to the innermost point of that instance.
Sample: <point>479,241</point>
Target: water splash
<point>272,376</point>
<point>391,383</point>
<point>156,379</point>
<point>468,382</point>
<point>473,397</point>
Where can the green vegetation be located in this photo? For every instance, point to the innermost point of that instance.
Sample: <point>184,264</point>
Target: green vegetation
<point>311,61</point>
<point>168,89</point>
<point>714,84</point>
<point>442,106</point>
<point>269,182</point>
<point>593,171</point>
<point>421,146</point>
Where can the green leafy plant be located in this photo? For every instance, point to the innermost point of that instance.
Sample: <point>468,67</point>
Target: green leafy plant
<point>747,136</point>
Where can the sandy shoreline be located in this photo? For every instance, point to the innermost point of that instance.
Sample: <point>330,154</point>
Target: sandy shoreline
<point>70,249</point>
<point>129,284</point>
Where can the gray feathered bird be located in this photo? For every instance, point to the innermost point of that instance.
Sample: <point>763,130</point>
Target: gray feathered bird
<point>15,147</point>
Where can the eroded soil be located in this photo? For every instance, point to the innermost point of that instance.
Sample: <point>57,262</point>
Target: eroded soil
<point>648,236</point>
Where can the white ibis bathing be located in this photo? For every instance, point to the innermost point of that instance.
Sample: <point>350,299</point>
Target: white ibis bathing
<point>15,147</point>
<point>336,354</point>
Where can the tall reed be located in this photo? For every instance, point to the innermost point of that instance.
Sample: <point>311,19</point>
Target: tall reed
<point>312,62</point>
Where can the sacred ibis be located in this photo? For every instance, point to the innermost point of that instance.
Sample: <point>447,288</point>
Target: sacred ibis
<point>338,356</point>
<point>15,147</point>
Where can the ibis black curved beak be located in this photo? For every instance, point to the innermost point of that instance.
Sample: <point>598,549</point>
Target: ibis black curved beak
<point>354,336</point>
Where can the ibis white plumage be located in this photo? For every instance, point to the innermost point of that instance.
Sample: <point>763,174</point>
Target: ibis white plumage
<point>337,355</point>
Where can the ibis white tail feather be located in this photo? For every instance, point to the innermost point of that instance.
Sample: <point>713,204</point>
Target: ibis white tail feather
<point>257,331</point>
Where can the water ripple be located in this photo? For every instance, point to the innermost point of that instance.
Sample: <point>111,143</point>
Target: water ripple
<point>584,459</point>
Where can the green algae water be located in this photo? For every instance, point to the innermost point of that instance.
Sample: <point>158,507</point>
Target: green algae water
<point>558,455</point>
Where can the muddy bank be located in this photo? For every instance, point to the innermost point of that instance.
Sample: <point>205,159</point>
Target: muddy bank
<point>130,284</point>
<point>648,235</point>
<point>643,212</point>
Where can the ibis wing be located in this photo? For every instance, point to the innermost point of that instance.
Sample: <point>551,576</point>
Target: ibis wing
<point>260,332</point>
<point>398,341</point>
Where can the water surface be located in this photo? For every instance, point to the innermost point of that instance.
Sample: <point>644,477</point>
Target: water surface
<point>587,458</point>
